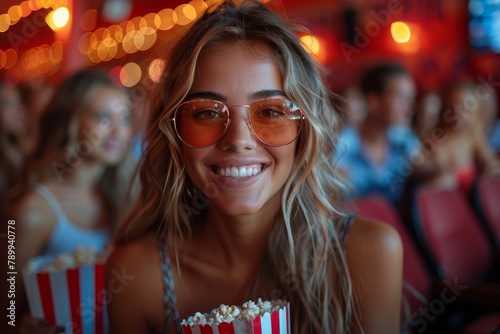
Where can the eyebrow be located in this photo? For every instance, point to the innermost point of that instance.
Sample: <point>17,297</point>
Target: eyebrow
<point>263,94</point>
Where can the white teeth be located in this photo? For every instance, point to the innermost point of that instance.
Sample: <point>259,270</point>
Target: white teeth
<point>236,172</point>
<point>243,172</point>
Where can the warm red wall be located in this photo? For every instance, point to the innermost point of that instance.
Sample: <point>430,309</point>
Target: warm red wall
<point>439,27</point>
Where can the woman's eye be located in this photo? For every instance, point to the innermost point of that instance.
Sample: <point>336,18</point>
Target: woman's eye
<point>270,112</point>
<point>103,118</point>
<point>208,114</point>
<point>125,119</point>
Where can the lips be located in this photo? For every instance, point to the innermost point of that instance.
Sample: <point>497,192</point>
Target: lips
<point>238,171</point>
<point>112,145</point>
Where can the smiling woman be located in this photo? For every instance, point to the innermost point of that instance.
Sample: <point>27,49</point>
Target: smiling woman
<point>238,201</point>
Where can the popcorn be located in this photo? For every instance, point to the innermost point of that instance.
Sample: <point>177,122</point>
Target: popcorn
<point>250,317</point>
<point>80,257</point>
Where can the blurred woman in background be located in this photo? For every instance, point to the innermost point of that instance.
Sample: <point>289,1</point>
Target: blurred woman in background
<point>459,152</point>
<point>74,183</point>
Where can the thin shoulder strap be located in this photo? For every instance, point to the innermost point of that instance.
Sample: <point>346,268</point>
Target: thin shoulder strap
<point>169,300</point>
<point>52,200</point>
<point>346,223</point>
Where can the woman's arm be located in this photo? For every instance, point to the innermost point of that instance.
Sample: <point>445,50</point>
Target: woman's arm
<point>485,156</point>
<point>375,260</point>
<point>34,224</point>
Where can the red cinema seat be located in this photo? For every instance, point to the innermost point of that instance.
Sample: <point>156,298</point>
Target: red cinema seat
<point>449,229</point>
<point>487,198</point>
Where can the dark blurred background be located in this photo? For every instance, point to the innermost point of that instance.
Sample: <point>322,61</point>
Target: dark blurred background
<point>447,38</point>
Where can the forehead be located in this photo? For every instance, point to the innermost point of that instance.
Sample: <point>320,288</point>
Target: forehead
<point>400,83</point>
<point>237,70</point>
<point>108,98</point>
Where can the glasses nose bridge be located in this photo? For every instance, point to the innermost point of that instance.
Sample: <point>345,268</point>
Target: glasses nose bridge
<point>247,108</point>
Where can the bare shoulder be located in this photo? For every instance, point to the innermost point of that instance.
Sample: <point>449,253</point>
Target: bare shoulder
<point>35,222</point>
<point>375,260</point>
<point>133,252</point>
<point>134,279</point>
<point>366,234</point>
<point>136,257</point>
<point>373,247</point>
<point>34,211</point>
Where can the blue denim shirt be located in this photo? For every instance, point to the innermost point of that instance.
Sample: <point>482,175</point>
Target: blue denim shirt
<point>366,177</point>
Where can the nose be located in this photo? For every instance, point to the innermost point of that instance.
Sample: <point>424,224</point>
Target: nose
<point>117,125</point>
<point>238,136</point>
<point>113,125</point>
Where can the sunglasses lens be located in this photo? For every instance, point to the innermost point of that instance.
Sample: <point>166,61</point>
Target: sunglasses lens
<point>276,122</point>
<point>200,123</point>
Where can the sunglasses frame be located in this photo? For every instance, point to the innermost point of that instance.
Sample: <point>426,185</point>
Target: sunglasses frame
<point>249,123</point>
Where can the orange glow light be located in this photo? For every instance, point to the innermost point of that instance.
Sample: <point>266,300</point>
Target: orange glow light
<point>61,17</point>
<point>15,13</point>
<point>56,52</point>
<point>11,58</point>
<point>155,69</point>
<point>185,14</point>
<point>88,20</point>
<point>400,32</point>
<point>310,44</point>
<point>4,22</point>
<point>57,18</point>
<point>130,74</point>
<point>3,59</point>
<point>25,8</point>
<point>153,20</point>
<point>168,19</point>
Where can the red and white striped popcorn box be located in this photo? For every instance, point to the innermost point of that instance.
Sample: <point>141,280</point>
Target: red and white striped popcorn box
<point>74,298</point>
<point>275,322</point>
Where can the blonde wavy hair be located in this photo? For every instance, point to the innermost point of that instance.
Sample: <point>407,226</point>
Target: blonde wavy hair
<point>305,259</point>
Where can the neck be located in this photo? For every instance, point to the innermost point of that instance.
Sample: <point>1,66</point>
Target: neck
<point>238,240</point>
<point>83,177</point>
<point>374,130</point>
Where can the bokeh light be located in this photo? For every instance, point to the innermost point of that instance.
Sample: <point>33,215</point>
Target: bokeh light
<point>57,18</point>
<point>56,54</point>
<point>400,32</point>
<point>61,17</point>
<point>3,59</point>
<point>114,74</point>
<point>15,13</point>
<point>88,20</point>
<point>185,14</point>
<point>11,60</point>
<point>153,20</point>
<point>168,19</point>
<point>155,69</point>
<point>25,8</point>
<point>4,22</point>
<point>310,44</point>
<point>130,74</point>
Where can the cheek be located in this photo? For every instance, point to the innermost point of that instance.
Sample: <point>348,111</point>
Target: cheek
<point>88,128</point>
<point>193,162</point>
<point>126,133</point>
<point>285,157</point>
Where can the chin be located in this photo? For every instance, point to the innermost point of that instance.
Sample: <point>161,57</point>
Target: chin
<point>112,161</point>
<point>235,207</point>
<point>238,211</point>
